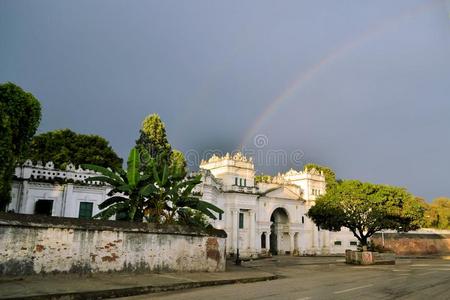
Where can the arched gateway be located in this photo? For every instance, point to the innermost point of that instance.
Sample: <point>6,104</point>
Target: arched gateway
<point>280,242</point>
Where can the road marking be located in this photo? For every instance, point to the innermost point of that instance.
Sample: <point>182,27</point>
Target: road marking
<point>353,289</point>
<point>306,298</point>
<point>421,265</point>
<point>398,278</point>
<point>426,273</point>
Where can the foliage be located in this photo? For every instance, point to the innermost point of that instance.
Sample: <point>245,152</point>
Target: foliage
<point>160,194</point>
<point>263,178</point>
<point>153,137</point>
<point>178,161</point>
<point>171,195</point>
<point>65,146</point>
<point>437,214</point>
<point>126,197</point>
<point>330,176</point>
<point>20,114</point>
<point>365,208</point>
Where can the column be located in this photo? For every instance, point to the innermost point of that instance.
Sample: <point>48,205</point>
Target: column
<point>234,228</point>
<point>252,230</point>
<point>292,246</point>
<point>268,240</point>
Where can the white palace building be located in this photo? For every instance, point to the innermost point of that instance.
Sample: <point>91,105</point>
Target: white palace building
<point>258,217</point>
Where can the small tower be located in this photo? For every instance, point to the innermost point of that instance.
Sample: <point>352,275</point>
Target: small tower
<point>231,169</point>
<point>312,182</point>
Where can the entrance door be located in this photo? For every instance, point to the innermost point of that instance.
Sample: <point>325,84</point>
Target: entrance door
<point>280,223</point>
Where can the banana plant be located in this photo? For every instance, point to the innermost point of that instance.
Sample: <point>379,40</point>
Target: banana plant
<point>126,196</point>
<point>170,195</point>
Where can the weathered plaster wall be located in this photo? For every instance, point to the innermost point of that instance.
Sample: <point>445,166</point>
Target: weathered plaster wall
<point>32,244</point>
<point>415,243</point>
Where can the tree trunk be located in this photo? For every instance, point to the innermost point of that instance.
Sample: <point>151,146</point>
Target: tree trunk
<point>363,241</point>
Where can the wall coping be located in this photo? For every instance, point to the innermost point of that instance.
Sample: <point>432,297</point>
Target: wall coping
<point>412,235</point>
<point>37,221</point>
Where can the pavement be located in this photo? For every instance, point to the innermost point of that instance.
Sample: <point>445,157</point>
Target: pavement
<point>297,278</point>
<point>112,285</point>
<point>301,280</point>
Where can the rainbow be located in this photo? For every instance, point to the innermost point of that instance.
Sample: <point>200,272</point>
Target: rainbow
<point>328,59</point>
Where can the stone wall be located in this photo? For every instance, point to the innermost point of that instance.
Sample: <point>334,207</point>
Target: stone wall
<point>415,243</point>
<point>31,244</point>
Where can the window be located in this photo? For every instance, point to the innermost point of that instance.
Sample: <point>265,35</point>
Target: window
<point>240,181</point>
<point>337,243</point>
<point>353,243</point>
<point>43,207</point>
<point>85,210</point>
<point>235,181</point>
<point>220,216</point>
<point>241,220</point>
<point>303,220</point>
<point>245,182</point>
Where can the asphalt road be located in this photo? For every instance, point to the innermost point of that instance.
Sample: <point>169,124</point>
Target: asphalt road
<point>331,279</point>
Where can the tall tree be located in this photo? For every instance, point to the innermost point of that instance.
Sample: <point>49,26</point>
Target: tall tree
<point>65,146</point>
<point>20,114</point>
<point>153,137</point>
<point>365,208</point>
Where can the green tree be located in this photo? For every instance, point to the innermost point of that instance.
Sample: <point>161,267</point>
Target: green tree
<point>330,176</point>
<point>65,146</point>
<point>153,137</point>
<point>20,114</point>
<point>365,208</point>
<point>263,178</point>
<point>437,214</point>
<point>178,161</point>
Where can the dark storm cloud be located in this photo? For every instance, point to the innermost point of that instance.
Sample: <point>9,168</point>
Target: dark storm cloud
<point>379,111</point>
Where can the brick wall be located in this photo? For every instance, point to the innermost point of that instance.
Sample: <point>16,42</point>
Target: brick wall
<point>415,243</point>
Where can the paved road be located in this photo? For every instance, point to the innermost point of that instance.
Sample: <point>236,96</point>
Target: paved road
<point>331,279</point>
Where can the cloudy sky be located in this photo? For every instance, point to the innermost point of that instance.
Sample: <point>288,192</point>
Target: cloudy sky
<point>360,86</point>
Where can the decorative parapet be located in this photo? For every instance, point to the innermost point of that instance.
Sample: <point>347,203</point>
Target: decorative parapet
<point>306,174</point>
<point>47,172</point>
<point>238,159</point>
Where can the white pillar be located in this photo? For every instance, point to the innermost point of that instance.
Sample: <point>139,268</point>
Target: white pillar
<point>291,246</point>
<point>234,229</point>
<point>252,230</point>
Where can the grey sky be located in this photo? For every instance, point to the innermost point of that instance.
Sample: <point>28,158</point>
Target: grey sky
<point>374,103</point>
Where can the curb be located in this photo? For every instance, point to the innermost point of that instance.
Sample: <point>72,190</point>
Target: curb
<point>140,290</point>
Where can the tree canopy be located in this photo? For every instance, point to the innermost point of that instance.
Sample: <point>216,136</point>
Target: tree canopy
<point>437,214</point>
<point>153,136</point>
<point>20,114</point>
<point>65,146</point>
<point>365,208</point>
<point>153,140</point>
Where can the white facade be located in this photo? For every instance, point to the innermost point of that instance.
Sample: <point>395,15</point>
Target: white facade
<point>264,217</point>
<point>258,218</point>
